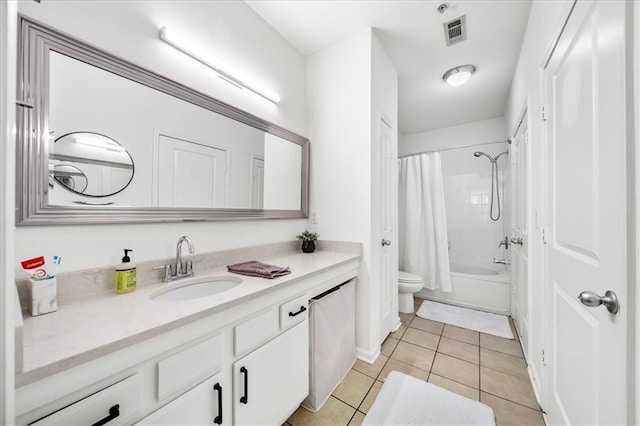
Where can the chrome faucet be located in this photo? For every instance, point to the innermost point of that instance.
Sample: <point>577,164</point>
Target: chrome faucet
<point>502,261</point>
<point>180,269</point>
<point>504,243</point>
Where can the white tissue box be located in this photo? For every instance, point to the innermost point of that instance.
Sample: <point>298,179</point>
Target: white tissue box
<point>43,296</point>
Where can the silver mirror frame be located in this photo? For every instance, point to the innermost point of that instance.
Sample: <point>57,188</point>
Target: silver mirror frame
<point>32,156</point>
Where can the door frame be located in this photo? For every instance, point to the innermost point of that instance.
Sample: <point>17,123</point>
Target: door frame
<point>8,45</point>
<point>632,52</point>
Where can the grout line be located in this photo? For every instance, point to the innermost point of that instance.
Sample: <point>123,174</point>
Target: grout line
<point>513,402</point>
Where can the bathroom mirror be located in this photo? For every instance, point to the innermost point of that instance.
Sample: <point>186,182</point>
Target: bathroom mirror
<point>195,157</point>
<point>89,164</point>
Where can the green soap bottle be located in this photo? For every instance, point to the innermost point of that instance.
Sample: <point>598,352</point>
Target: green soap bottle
<point>126,274</point>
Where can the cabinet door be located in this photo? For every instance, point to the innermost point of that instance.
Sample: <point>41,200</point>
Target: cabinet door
<point>205,404</point>
<point>272,381</point>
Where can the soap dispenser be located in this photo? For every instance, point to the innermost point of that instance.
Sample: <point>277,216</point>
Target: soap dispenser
<point>126,274</point>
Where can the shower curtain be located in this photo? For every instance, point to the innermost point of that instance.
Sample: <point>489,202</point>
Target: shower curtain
<point>422,221</point>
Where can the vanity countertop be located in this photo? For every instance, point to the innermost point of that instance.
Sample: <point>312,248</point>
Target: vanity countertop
<point>92,327</point>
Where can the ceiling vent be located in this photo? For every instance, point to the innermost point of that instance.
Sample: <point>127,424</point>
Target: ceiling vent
<point>455,31</point>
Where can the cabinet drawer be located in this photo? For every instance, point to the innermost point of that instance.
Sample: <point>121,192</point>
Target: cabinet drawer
<point>182,370</point>
<point>255,331</point>
<point>293,312</point>
<point>115,405</point>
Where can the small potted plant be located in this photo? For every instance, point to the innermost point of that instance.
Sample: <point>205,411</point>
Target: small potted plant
<point>308,241</point>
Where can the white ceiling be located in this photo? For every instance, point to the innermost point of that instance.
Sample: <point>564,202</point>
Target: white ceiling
<point>413,36</point>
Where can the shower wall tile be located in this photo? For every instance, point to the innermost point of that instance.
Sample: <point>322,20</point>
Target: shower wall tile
<point>473,236</point>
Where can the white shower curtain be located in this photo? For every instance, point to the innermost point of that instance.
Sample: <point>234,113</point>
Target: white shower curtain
<point>422,221</point>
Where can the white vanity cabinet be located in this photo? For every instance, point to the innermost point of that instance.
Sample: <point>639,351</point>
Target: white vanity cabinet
<point>203,405</point>
<point>272,381</point>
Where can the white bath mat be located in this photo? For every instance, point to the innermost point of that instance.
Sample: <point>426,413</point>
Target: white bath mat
<point>484,322</point>
<point>405,400</point>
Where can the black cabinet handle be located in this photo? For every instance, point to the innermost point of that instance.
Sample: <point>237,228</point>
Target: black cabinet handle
<point>218,419</point>
<point>113,413</point>
<point>244,399</point>
<point>293,314</point>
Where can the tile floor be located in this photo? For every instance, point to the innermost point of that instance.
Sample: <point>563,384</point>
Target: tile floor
<point>479,366</point>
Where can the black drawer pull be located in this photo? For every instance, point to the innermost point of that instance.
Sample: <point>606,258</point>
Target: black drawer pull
<point>218,419</point>
<point>293,314</point>
<point>113,413</point>
<point>245,398</point>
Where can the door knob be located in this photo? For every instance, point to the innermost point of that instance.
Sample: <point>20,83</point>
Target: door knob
<point>593,300</point>
<point>517,241</point>
<point>385,242</point>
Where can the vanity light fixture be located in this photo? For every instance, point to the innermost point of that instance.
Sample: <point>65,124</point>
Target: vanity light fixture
<point>459,75</point>
<point>165,36</point>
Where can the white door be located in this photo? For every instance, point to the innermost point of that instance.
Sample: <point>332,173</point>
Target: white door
<point>190,174</point>
<point>257,183</point>
<point>388,204</point>
<point>520,232</point>
<point>587,217</point>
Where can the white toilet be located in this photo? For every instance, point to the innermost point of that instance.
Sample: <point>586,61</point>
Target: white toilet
<point>407,285</point>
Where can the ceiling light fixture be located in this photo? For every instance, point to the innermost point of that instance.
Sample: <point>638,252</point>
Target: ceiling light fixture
<point>171,41</point>
<point>459,75</point>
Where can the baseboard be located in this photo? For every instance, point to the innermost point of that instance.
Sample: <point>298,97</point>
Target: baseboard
<point>534,382</point>
<point>368,356</point>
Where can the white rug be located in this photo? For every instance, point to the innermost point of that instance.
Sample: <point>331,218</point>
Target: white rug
<point>484,322</point>
<point>405,400</point>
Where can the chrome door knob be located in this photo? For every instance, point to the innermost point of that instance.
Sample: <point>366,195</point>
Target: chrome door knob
<point>593,300</point>
<point>385,242</point>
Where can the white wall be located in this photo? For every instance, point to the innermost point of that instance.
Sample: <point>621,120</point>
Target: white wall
<point>464,134</point>
<point>350,84</point>
<point>233,33</point>
<point>339,114</point>
<point>545,21</point>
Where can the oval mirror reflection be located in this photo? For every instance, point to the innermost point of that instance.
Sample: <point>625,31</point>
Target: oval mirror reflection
<point>90,164</point>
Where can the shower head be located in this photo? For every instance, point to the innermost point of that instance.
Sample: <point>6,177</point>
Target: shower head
<point>480,153</point>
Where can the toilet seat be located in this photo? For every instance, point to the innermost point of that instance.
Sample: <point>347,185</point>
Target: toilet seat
<point>406,277</point>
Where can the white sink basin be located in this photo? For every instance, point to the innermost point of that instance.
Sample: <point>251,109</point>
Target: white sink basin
<point>195,288</point>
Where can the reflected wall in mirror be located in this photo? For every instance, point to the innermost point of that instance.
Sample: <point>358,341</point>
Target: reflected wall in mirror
<point>195,157</point>
<point>89,164</point>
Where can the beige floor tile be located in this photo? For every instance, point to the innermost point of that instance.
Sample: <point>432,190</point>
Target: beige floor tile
<point>421,338</point>
<point>509,387</point>
<point>427,325</point>
<point>371,370</point>
<point>332,413</point>
<point>414,355</point>
<point>499,344</point>
<point>371,396</point>
<point>510,414</point>
<point>388,346</point>
<point>462,334</point>
<point>357,419</point>
<point>455,387</point>
<point>457,370</point>
<point>399,332</point>
<point>459,349</point>
<point>395,365</point>
<point>406,318</point>
<point>503,362</point>
<point>354,388</point>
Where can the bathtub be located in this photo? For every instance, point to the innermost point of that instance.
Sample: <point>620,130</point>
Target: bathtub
<point>475,287</point>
